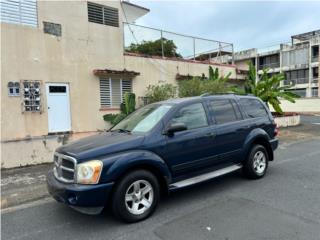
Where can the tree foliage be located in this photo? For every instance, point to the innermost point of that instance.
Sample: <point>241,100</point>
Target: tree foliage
<point>157,93</point>
<point>154,48</point>
<point>268,88</point>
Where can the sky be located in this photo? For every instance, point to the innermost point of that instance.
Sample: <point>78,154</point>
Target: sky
<point>246,24</point>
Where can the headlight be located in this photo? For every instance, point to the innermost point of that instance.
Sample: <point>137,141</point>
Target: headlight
<point>89,172</point>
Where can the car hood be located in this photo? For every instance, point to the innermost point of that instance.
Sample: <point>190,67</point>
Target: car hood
<point>101,144</point>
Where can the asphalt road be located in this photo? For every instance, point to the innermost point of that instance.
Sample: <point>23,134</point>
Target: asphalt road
<point>283,205</point>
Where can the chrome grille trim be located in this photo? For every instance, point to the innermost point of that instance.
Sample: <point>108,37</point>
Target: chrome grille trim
<point>59,168</point>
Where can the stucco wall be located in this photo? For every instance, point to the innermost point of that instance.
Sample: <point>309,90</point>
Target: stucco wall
<point>29,54</point>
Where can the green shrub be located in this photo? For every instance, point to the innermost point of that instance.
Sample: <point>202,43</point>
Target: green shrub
<point>127,107</point>
<point>157,93</point>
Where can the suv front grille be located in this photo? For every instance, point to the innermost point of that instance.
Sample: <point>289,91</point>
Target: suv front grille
<point>64,168</point>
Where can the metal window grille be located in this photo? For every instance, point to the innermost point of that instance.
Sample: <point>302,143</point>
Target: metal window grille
<point>112,91</point>
<point>19,12</point>
<point>103,15</point>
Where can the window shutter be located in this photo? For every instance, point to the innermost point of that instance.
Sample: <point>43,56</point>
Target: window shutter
<point>95,13</point>
<point>103,15</point>
<point>111,16</point>
<point>112,91</point>
<point>19,12</point>
<point>126,86</point>
<point>116,93</point>
<point>105,93</point>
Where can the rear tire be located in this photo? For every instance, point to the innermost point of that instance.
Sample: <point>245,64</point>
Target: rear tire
<point>256,165</point>
<point>136,196</point>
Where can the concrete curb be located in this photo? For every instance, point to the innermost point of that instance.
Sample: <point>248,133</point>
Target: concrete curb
<point>25,196</point>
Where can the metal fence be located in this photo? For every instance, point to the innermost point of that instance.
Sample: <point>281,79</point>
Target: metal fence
<point>187,47</point>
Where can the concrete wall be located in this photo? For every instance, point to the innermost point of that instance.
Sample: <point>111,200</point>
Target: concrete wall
<point>303,105</point>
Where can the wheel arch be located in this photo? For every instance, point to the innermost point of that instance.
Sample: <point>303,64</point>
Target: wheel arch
<point>258,136</point>
<point>134,160</point>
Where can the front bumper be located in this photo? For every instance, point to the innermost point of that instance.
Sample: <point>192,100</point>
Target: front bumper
<point>89,199</point>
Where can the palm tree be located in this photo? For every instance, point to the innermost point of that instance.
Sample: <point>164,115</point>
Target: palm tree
<point>268,88</point>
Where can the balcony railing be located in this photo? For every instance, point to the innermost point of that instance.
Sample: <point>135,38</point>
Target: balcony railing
<point>185,47</point>
<point>269,65</point>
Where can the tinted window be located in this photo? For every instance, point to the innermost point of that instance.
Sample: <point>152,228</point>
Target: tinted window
<point>253,108</point>
<point>193,116</point>
<point>236,109</point>
<point>223,111</point>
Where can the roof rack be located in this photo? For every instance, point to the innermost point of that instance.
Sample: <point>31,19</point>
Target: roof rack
<point>222,93</point>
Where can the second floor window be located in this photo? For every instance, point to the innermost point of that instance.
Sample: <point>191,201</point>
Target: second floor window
<point>103,14</point>
<point>19,12</point>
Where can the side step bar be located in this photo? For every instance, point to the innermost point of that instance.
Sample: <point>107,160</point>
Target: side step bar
<point>205,177</point>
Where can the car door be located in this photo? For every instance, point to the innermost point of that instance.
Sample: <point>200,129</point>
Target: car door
<point>230,128</point>
<point>190,150</point>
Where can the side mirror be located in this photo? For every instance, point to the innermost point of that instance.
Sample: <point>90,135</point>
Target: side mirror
<point>175,127</point>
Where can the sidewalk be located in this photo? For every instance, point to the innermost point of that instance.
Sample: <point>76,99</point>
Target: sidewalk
<point>22,185</point>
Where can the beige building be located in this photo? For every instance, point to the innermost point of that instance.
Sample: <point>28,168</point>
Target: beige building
<point>64,65</point>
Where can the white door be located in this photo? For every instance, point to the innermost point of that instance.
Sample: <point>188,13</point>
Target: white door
<point>58,107</point>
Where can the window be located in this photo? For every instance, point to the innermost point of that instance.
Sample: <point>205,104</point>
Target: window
<point>31,96</point>
<point>254,108</point>
<point>112,91</point>
<point>57,89</point>
<point>314,92</point>
<point>297,77</point>
<point>19,12</point>
<point>52,28</point>
<point>193,116</point>
<point>13,89</point>
<point>103,15</point>
<point>302,92</point>
<point>224,111</point>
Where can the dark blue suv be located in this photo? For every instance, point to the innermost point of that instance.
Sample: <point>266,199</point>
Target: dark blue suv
<point>162,147</point>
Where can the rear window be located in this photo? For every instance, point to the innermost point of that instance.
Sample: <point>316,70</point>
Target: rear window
<point>253,108</point>
<point>224,111</point>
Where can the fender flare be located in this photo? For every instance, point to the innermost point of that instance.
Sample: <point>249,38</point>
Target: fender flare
<point>118,164</point>
<point>261,136</point>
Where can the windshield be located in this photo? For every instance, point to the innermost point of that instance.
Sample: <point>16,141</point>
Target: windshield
<point>144,119</point>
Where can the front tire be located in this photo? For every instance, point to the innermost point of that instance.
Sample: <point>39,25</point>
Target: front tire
<point>256,165</point>
<point>136,196</point>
